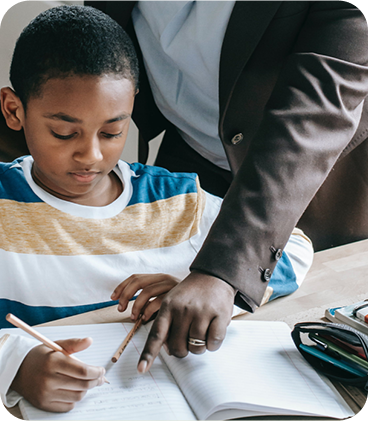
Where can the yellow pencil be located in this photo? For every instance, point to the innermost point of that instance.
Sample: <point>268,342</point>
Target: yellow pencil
<point>47,342</point>
<point>128,338</point>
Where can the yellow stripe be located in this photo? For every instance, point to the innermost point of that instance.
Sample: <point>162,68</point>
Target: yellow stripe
<point>298,231</point>
<point>37,228</point>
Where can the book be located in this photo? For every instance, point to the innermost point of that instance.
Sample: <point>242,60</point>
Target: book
<point>344,314</point>
<point>257,371</point>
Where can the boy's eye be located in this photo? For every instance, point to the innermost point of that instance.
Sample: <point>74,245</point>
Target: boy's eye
<point>111,135</point>
<point>63,137</point>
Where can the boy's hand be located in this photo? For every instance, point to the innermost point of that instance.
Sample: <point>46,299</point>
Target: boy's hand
<point>51,381</point>
<point>200,307</point>
<point>152,285</point>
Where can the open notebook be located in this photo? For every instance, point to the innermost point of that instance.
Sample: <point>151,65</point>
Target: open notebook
<point>257,371</point>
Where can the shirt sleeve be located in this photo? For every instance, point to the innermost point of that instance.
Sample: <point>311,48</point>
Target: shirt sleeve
<point>13,350</point>
<point>292,267</point>
<point>290,270</point>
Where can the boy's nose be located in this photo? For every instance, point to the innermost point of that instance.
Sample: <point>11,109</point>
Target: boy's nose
<point>88,151</point>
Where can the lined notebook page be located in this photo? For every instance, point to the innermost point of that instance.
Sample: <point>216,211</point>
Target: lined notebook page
<point>129,396</point>
<point>257,369</point>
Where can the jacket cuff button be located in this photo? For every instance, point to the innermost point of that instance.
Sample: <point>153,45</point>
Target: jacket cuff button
<point>267,275</point>
<point>278,254</point>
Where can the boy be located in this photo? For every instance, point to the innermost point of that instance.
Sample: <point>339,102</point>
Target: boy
<point>76,221</point>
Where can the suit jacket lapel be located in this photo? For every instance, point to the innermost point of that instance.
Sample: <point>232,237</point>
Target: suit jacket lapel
<point>247,24</point>
<point>120,10</point>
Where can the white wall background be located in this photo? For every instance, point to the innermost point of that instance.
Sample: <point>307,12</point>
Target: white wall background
<point>13,22</point>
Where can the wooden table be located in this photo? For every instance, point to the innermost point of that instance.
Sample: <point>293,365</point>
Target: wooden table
<point>338,276</point>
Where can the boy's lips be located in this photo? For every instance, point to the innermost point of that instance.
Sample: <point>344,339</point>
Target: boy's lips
<point>84,176</point>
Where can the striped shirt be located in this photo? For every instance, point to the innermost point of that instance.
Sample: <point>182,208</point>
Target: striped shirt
<point>59,258</point>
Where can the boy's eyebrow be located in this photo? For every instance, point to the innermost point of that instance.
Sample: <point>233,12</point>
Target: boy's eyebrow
<point>62,116</point>
<point>70,119</point>
<point>118,118</point>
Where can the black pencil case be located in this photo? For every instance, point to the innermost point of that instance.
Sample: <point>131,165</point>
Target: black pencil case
<point>343,335</point>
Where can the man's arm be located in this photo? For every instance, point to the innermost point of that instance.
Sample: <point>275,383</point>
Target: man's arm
<point>310,118</point>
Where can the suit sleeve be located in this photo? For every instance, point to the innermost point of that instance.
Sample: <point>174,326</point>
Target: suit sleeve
<point>310,118</point>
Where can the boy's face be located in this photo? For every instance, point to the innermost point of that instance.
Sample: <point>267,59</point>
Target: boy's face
<point>76,131</point>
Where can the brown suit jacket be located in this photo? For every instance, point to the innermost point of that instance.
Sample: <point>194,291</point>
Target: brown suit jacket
<point>293,77</point>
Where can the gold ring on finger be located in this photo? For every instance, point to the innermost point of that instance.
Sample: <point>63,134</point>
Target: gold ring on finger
<point>196,342</point>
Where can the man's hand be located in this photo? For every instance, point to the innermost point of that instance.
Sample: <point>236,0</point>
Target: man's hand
<point>51,381</point>
<point>200,307</point>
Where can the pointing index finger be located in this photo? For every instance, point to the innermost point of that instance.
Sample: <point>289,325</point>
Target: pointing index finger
<point>156,338</point>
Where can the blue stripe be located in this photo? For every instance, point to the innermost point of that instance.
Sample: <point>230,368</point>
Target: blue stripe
<point>283,279</point>
<point>13,184</point>
<point>34,315</point>
<point>149,185</point>
<point>155,183</point>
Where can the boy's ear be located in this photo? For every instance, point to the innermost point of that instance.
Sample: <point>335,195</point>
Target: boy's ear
<point>12,108</point>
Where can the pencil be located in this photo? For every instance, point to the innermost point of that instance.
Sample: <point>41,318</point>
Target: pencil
<point>47,342</point>
<point>127,339</point>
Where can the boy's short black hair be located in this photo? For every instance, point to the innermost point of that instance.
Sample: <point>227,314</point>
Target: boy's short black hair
<point>70,40</point>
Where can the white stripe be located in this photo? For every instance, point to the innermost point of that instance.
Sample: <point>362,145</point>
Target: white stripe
<point>80,280</point>
<point>300,252</point>
<point>122,170</point>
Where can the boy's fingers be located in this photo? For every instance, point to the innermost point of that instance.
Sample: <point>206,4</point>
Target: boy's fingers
<point>69,396</point>
<point>142,300</point>
<point>124,296</point>
<point>151,285</point>
<point>56,406</point>
<point>117,291</point>
<point>138,306</point>
<point>77,385</point>
<point>152,308</point>
<point>131,286</point>
<point>140,281</point>
<point>155,340</point>
<point>79,370</point>
<point>127,289</point>
<point>72,367</point>
<point>71,346</point>
<point>146,295</point>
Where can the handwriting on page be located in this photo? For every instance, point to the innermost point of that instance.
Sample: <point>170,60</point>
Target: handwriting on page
<point>131,396</point>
